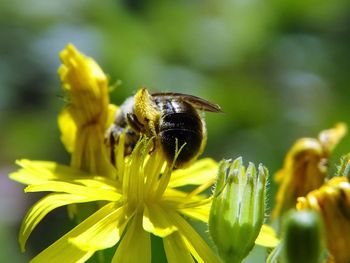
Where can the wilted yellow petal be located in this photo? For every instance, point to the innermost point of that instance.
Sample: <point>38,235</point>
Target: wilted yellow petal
<point>305,167</point>
<point>135,245</point>
<point>156,221</point>
<point>267,237</point>
<point>42,208</point>
<point>331,137</point>
<point>176,249</point>
<point>332,202</point>
<point>302,147</point>
<point>200,172</point>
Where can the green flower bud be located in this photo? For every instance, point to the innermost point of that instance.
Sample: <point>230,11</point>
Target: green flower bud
<point>238,207</point>
<point>302,237</point>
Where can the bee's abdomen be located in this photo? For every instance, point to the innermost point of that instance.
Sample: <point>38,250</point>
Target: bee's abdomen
<point>185,127</point>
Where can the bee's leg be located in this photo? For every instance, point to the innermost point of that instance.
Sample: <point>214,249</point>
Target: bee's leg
<point>112,150</point>
<point>139,128</point>
<point>134,123</point>
<point>155,143</point>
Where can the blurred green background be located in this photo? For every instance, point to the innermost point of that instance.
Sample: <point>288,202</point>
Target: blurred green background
<point>279,69</point>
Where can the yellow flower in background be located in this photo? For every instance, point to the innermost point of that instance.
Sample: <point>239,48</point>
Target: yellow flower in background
<point>305,167</point>
<point>145,200</point>
<point>332,202</point>
<point>84,120</point>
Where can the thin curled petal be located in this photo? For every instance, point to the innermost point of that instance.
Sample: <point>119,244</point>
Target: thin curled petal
<point>65,251</point>
<point>200,172</point>
<point>42,208</point>
<point>135,245</point>
<point>175,249</point>
<point>156,221</point>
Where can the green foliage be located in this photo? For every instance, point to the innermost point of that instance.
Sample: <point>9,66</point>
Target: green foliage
<point>279,69</point>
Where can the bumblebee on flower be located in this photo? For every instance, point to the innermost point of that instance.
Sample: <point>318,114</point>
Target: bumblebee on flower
<point>128,178</point>
<point>136,200</point>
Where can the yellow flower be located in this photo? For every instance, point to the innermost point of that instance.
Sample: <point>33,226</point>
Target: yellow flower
<point>142,195</point>
<point>145,199</point>
<point>87,116</point>
<point>332,201</point>
<point>305,167</point>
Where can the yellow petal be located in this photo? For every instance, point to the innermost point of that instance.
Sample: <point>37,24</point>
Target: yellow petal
<point>63,250</point>
<point>112,110</point>
<point>175,249</point>
<point>71,254</point>
<point>135,245</point>
<point>68,129</point>
<point>87,87</point>
<point>197,246</point>
<point>199,212</point>
<point>75,189</point>
<point>332,202</point>
<point>41,209</point>
<point>156,221</point>
<point>37,172</point>
<point>267,237</point>
<point>103,234</point>
<point>90,153</point>
<point>303,171</point>
<point>175,195</point>
<point>200,172</point>
<point>196,207</point>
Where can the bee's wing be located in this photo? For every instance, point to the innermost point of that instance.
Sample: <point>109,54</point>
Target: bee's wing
<point>198,103</point>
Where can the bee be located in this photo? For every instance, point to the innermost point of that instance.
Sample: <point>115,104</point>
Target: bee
<point>173,119</point>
